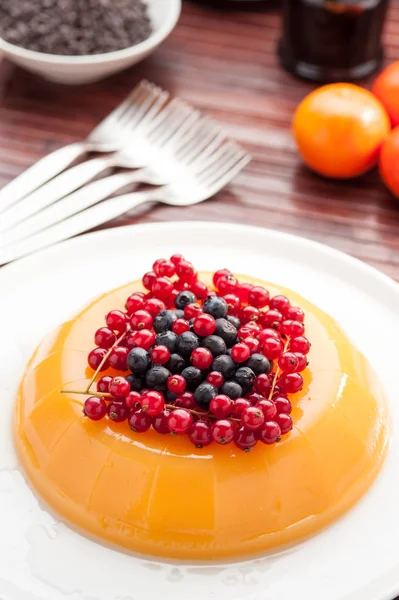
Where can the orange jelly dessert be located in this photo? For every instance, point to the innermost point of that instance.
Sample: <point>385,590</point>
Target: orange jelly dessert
<point>159,494</point>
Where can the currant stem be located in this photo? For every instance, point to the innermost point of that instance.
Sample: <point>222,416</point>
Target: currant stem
<point>208,414</point>
<point>277,373</point>
<point>84,393</point>
<point>120,338</point>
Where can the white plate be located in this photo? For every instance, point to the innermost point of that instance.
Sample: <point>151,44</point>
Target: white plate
<point>356,558</point>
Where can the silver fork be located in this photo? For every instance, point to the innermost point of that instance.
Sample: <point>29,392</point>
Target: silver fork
<point>188,153</point>
<point>153,133</point>
<point>108,136</point>
<point>193,189</point>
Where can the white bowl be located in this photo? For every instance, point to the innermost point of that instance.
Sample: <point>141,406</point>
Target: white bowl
<point>164,15</point>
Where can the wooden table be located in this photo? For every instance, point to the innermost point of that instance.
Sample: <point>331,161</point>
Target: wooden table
<point>225,64</point>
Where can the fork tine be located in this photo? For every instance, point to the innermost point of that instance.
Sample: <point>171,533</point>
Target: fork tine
<point>134,101</point>
<point>225,178</point>
<point>183,122</point>
<point>205,147</point>
<point>163,116</point>
<point>166,128</point>
<point>138,111</point>
<point>208,162</point>
<point>119,111</point>
<point>154,110</point>
<point>184,131</point>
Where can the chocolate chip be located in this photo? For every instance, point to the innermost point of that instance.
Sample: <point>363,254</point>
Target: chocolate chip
<point>74,27</point>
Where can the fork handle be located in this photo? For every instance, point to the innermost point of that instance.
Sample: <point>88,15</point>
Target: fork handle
<point>39,173</point>
<point>83,221</point>
<point>59,187</point>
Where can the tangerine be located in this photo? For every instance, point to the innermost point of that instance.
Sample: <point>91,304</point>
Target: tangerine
<point>389,162</point>
<point>386,88</point>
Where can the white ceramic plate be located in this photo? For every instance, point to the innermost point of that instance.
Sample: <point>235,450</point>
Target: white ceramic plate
<point>356,558</point>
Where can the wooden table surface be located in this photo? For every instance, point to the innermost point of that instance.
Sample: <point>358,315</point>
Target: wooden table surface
<point>225,64</point>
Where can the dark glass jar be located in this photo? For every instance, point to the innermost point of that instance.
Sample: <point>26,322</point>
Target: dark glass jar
<point>234,4</point>
<point>332,40</point>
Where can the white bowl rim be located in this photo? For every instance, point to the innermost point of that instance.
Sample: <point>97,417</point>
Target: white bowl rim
<point>108,57</point>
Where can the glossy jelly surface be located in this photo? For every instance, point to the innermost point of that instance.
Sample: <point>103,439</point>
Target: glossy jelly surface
<point>159,495</point>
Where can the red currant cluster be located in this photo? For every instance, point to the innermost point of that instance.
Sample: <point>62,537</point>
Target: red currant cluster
<point>215,364</point>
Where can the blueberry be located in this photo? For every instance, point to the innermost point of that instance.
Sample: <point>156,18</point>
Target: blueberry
<point>259,364</point>
<point>138,361</point>
<point>193,377</point>
<point>176,364</point>
<point>215,306</point>
<point>185,297</point>
<point>165,320</point>
<point>215,344</point>
<point>204,394</point>
<point>191,323</point>
<point>168,339</point>
<point>227,331</point>
<point>179,314</point>
<point>232,389</point>
<point>157,377</point>
<point>136,383</point>
<point>225,365</point>
<point>245,377</point>
<point>170,396</point>
<point>187,342</point>
<point>234,321</point>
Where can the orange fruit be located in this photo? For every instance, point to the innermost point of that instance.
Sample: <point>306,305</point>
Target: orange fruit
<point>339,129</point>
<point>386,88</point>
<point>389,162</point>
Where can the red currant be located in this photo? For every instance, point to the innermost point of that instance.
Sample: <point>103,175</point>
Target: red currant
<point>201,434</point>
<point>95,358</point>
<point>300,344</point>
<point>290,382</point>
<point>116,320</point>
<point>204,325</point>
<point>160,355</point>
<point>239,405</point>
<point>283,405</point>
<point>258,296</point>
<point>180,285</point>
<point>186,400</point>
<point>180,326</point>
<point>141,319</point>
<point>119,387</point>
<point>145,338</point>
<point>262,384</point>
<point>272,348</point>
<point>154,306</point>
<point>252,418</point>
<point>104,337</point>
<point>270,432</point>
<point>200,290</point>
<point>292,328</point>
<point>180,420</point>
<point>152,402</point>
<point>103,384</point>
<point>285,422</point>
<point>95,408</point>
<point>133,400</point>
<point>140,421</point>
<point>223,431</point>
<point>240,352</point>
<point>176,258</point>
<point>148,280</point>
<point>201,358</point>
<point>218,274</point>
<point>267,333</point>
<point>254,397</point>
<point>118,412</point>
<point>176,384</point>
<point>134,303</point>
<point>271,318</point>
<point>233,303</point>
<point>160,422</point>
<point>302,361</point>
<point>192,310</point>
<point>295,313</point>
<point>186,272</point>
<point>162,287</point>
<point>171,298</point>
<point>249,313</point>
<point>221,406</point>
<point>249,330</point>
<point>242,290</point>
<point>288,362</point>
<point>268,408</point>
<point>227,284</point>
<point>118,358</point>
<point>216,379</point>
<point>280,303</point>
<point>164,268</point>
<point>244,439</point>
<point>253,344</point>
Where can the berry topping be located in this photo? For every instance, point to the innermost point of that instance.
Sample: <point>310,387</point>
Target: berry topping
<point>134,303</point>
<point>140,421</point>
<point>270,432</point>
<point>240,353</point>
<point>141,319</point>
<point>201,434</point>
<point>268,407</point>
<point>216,307</point>
<point>221,406</point>
<point>180,421</point>
<point>132,400</point>
<point>272,318</point>
<point>283,405</point>
<point>223,431</point>
<point>239,405</point>
<point>232,389</point>
<point>245,439</point>
<point>118,358</point>
<point>215,378</point>
<point>138,361</point>
<point>116,320</point>
<point>193,377</point>
<point>148,280</point>
<point>215,344</point>
<point>160,422</point>
<point>180,326</point>
<point>154,306</point>
<point>184,298</point>
<point>103,384</point>
<point>295,313</point>
<point>96,357</point>
<point>164,320</point>
<point>118,412</point>
<point>201,358</point>
<point>152,402</point>
<point>143,339</point>
<point>95,408</point>
<point>176,384</point>
<point>176,363</point>
<point>104,337</point>
<point>252,418</point>
<point>119,387</point>
<point>225,365</point>
<point>290,382</point>
<point>157,378</point>
<point>272,348</point>
<point>160,355</point>
<point>299,344</point>
<point>258,297</point>
<point>186,400</point>
<point>204,393</point>
<point>136,383</point>
<point>226,331</point>
<point>285,422</point>
<point>288,362</point>
<point>280,303</point>
<point>204,325</point>
<point>258,363</point>
<point>186,343</point>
